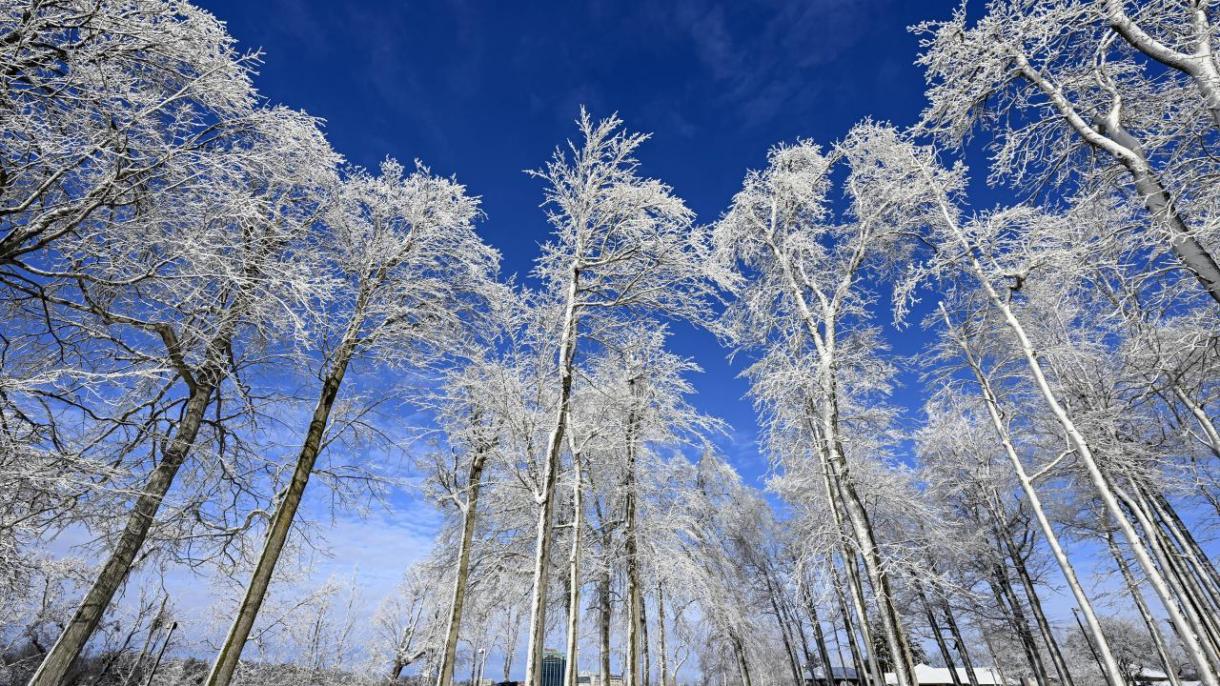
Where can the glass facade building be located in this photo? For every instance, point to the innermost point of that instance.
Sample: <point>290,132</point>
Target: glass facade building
<point>553,664</point>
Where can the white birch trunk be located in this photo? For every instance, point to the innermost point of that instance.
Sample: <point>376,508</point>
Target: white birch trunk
<point>1187,632</point>
<point>546,505</point>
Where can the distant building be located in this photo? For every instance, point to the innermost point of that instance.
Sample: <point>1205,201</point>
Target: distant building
<point>587,679</point>
<point>553,664</point>
<point>940,676</point>
<point>839,676</point>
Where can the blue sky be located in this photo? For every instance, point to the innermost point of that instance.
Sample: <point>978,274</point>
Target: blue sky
<point>486,90</point>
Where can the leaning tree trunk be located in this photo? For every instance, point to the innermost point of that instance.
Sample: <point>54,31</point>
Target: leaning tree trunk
<point>281,523</point>
<point>937,634</point>
<point>1031,594</point>
<point>855,590</point>
<point>742,664</point>
<point>85,620</point>
<point>861,526</point>
<point>1199,66</point>
<point>1141,605</point>
<point>1107,134</point>
<point>474,481</point>
<point>962,651</point>
<point>1105,489</point>
<point>546,498</point>
<point>857,515</point>
<point>1113,673</point>
<point>1007,600</point>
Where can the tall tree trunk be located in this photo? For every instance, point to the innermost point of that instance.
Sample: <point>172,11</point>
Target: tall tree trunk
<point>635,602</point>
<point>962,651</point>
<point>1191,605</point>
<point>824,341</point>
<point>645,667</point>
<point>570,666</point>
<point>793,661</point>
<point>281,522</point>
<point>1141,605</point>
<point>546,504</point>
<point>1112,671</point>
<point>1007,600</point>
<point>865,675</point>
<point>1031,594</point>
<point>661,635</point>
<point>994,660</point>
<point>937,634</point>
<point>1190,555</point>
<point>470,513</point>
<point>1195,551</point>
<point>855,591</point>
<point>603,600</point>
<point>118,565</point>
<point>862,527</point>
<point>742,664</point>
<point>819,637</point>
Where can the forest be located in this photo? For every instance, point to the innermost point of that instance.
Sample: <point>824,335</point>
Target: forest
<point>207,312</point>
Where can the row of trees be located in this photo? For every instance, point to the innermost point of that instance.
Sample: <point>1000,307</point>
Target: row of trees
<point>190,275</point>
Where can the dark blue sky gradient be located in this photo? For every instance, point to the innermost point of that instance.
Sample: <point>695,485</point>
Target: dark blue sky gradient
<point>486,90</point>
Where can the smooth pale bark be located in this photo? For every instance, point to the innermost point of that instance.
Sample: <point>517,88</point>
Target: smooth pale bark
<point>795,620</point>
<point>202,384</point>
<point>1191,556</point>
<point>1107,134</point>
<point>1199,65</point>
<point>855,591</point>
<point>152,673</point>
<point>1179,584</point>
<point>824,341</point>
<point>1141,605</point>
<point>994,660</point>
<point>862,529</point>
<point>1186,631</point>
<point>1111,669</point>
<point>570,666</point>
<point>1202,418</point>
<point>281,522</point>
<point>457,599</point>
<point>546,498</point>
<point>793,660</point>
<point>510,647</point>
